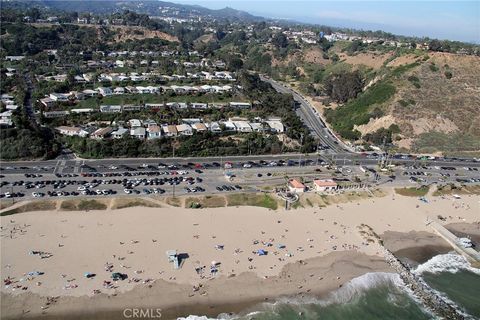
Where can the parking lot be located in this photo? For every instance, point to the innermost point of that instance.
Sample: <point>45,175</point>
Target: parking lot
<point>211,178</point>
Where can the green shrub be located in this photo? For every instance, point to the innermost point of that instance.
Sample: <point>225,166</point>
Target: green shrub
<point>357,111</point>
<point>404,68</point>
<point>448,74</point>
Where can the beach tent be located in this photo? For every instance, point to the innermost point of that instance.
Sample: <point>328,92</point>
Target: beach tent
<point>281,246</point>
<point>119,276</point>
<point>261,252</point>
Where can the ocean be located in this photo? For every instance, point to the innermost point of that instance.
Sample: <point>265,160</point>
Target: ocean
<point>379,296</point>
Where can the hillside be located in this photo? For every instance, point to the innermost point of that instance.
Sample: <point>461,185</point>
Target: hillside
<point>422,102</point>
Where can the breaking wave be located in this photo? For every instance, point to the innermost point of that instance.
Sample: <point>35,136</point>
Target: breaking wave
<point>450,262</point>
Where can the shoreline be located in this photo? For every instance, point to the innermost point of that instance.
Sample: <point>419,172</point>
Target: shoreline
<point>324,250</point>
<point>225,295</point>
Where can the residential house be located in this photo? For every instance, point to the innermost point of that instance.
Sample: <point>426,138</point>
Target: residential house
<point>197,105</point>
<point>71,131</point>
<point>105,91</point>
<point>242,126</point>
<point>90,93</point>
<point>184,129</point>
<point>77,95</point>
<point>177,105</point>
<point>101,133</point>
<point>323,185</point>
<point>229,125</point>
<point>130,107</point>
<point>153,90</point>
<point>138,132</point>
<point>214,127</point>
<point>134,123</point>
<point>170,130</point>
<point>60,97</point>
<point>256,126</point>
<point>275,126</point>
<point>79,79</point>
<point>110,109</point>
<point>199,127</point>
<point>82,110</point>
<point>149,122</point>
<point>47,102</point>
<point>6,118</point>
<point>119,91</point>
<point>143,90</point>
<point>55,114</point>
<point>131,89</point>
<point>154,105</point>
<point>119,133</point>
<point>154,132</point>
<point>14,58</point>
<point>240,105</point>
<point>296,186</point>
<point>206,88</point>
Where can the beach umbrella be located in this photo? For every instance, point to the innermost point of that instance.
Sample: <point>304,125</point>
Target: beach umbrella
<point>214,263</point>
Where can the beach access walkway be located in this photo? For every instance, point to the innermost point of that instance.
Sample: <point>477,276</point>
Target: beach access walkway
<point>470,254</point>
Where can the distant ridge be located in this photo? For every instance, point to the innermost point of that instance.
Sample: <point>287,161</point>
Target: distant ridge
<point>150,7</point>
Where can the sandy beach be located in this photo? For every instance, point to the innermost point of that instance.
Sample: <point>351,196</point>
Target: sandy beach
<point>309,251</point>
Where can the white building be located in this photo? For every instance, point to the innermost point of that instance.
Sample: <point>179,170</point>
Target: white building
<point>105,91</point>
<point>60,97</point>
<point>240,105</point>
<point>6,118</point>
<point>275,126</point>
<point>296,186</point>
<point>119,91</point>
<point>242,126</point>
<point>256,126</point>
<point>138,132</point>
<point>323,185</point>
<point>110,109</point>
<point>214,127</point>
<point>71,131</point>
<point>119,133</point>
<point>134,123</point>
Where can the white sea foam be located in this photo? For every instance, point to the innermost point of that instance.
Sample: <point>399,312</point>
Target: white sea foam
<point>193,317</point>
<point>352,289</point>
<point>349,291</point>
<point>450,262</point>
<point>222,316</point>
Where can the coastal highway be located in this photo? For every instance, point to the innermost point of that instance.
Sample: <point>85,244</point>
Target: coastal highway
<point>311,118</point>
<point>105,165</point>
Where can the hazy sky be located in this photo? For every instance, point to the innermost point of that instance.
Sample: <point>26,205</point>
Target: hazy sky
<point>455,20</point>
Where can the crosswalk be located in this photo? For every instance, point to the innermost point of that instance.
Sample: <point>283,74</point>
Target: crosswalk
<point>59,166</point>
<point>77,166</point>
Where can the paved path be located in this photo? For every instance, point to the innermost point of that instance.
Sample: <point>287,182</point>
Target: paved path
<point>471,254</point>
